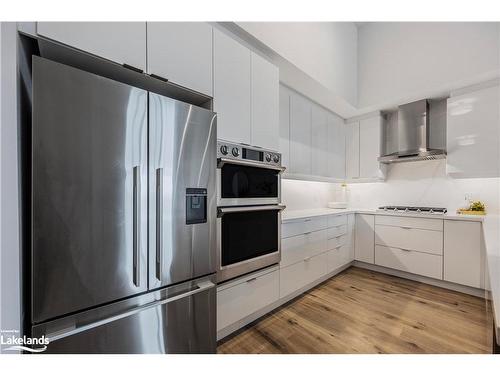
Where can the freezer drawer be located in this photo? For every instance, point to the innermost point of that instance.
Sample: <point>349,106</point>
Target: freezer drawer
<point>89,190</point>
<point>178,319</point>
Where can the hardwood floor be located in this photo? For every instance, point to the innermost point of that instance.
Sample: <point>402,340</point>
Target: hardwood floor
<point>361,311</point>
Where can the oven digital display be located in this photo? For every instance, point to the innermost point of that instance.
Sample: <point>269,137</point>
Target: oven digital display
<point>253,155</point>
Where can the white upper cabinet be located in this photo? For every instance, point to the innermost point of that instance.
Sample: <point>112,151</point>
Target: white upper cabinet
<point>246,95</point>
<point>336,146</point>
<point>121,42</point>
<point>284,118</point>
<point>369,147</point>
<point>182,53</point>
<point>319,141</point>
<point>473,134</point>
<point>300,135</point>
<point>352,150</point>
<point>232,89</point>
<point>265,104</point>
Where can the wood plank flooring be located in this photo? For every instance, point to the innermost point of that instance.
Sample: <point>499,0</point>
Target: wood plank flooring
<point>362,311</point>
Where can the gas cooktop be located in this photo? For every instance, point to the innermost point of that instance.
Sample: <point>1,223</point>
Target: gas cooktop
<point>418,210</point>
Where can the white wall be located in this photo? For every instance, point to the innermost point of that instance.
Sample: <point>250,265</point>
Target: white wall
<point>303,195</point>
<point>424,183</point>
<point>398,60</point>
<point>326,51</point>
<point>10,303</point>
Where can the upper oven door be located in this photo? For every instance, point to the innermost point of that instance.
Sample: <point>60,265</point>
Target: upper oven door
<point>241,182</point>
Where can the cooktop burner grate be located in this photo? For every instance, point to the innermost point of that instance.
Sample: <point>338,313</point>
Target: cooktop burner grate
<point>410,209</point>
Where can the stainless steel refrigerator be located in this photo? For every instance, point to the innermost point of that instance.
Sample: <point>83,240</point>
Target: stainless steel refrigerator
<point>123,217</point>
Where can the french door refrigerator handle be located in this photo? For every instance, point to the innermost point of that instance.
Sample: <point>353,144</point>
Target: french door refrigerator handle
<point>136,234</point>
<point>200,287</point>
<point>159,222</point>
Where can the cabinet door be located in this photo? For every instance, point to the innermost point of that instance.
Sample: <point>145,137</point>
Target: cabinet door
<point>300,135</point>
<point>336,146</point>
<point>472,134</point>
<point>122,42</point>
<point>364,242</point>
<point>463,260</point>
<point>350,235</point>
<point>265,103</point>
<point>319,141</point>
<point>182,53</point>
<point>232,89</point>
<point>369,147</point>
<point>352,150</point>
<point>284,115</point>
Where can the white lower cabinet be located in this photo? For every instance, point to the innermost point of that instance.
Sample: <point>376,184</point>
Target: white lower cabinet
<point>297,248</point>
<point>298,275</point>
<point>364,242</point>
<point>424,264</point>
<point>236,300</point>
<point>301,226</point>
<point>408,238</point>
<point>464,261</point>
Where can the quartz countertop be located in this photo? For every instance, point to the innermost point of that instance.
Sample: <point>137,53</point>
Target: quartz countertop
<point>289,215</point>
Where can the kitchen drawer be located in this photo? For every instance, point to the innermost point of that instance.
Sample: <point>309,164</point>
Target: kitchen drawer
<point>410,222</point>
<point>339,257</point>
<point>246,297</point>
<point>410,261</point>
<point>295,249</point>
<point>310,224</point>
<point>300,274</point>
<point>426,241</point>
<point>337,241</point>
<point>337,230</point>
<point>336,220</point>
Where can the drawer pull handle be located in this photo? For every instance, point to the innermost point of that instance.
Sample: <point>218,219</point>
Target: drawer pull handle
<point>408,251</point>
<point>307,220</point>
<point>333,238</point>
<point>405,227</point>
<point>307,259</point>
<point>307,233</point>
<point>251,280</point>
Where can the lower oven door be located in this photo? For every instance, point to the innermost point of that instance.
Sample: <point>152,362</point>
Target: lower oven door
<point>249,238</point>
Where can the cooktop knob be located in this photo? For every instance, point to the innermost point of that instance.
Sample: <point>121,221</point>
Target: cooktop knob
<point>235,152</point>
<point>276,158</point>
<point>268,158</point>
<point>223,150</point>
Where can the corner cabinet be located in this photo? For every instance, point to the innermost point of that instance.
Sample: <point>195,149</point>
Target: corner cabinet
<point>472,135</point>
<point>182,53</point>
<point>363,142</point>
<point>364,238</point>
<point>246,94</point>
<point>352,150</point>
<point>312,139</point>
<point>121,42</point>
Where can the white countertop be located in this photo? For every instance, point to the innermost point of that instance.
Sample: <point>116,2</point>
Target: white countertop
<point>491,232</point>
<point>289,215</point>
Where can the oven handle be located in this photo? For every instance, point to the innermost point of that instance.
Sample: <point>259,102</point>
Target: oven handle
<point>226,210</point>
<point>222,161</point>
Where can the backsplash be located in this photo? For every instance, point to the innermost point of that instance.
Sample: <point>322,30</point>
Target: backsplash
<point>422,183</point>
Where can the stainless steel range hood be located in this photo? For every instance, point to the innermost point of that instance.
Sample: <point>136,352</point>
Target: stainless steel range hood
<point>417,131</point>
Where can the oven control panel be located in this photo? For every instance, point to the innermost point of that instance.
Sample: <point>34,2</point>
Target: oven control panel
<point>240,151</point>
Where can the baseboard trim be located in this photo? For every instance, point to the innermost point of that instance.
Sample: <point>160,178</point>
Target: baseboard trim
<point>232,328</point>
<point>423,279</point>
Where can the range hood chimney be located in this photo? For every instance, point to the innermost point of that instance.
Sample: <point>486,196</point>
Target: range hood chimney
<point>420,132</point>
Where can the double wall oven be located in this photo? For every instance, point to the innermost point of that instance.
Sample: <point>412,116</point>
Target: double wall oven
<point>249,209</point>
